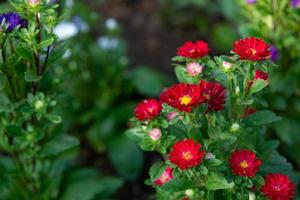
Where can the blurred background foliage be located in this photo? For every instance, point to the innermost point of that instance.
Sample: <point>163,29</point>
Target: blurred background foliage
<point>118,52</point>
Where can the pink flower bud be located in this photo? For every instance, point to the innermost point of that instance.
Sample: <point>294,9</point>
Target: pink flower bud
<point>155,134</point>
<point>172,115</point>
<point>226,65</point>
<point>34,2</point>
<point>194,69</point>
<point>165,177</point>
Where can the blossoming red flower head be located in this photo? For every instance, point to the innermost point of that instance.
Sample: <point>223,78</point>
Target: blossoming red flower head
<point>278,187</point>
<point>148,109</point>
<point>214,95</point>
<point>198,49</point>
<point>244,163</point>
<point>182,96</point>
<point>165,177</point>
<point>186,154</point>
<point>253,49</point>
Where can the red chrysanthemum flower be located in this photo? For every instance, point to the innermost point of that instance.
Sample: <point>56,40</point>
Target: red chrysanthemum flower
<point>278,187</point>
<point>186,154</point>
<point>214,95</point>
<point>261,75</point>
<point>147,109</point>
<point>198,49</point>
<point>182,96</point>
<point>244,163</point>
<point>165,177</point>
<point>252,49</point>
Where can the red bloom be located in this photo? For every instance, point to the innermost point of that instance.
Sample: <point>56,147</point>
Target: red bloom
<point>278,187</point>
<point>214,95</point>
<point>147,109</point>
<point>261,75</point>
<point>252,49</point>
<point>165,177</point>
<point>244,163</point>
<point>198,49</point>
<point>186,154</point>
<point>182,96</point>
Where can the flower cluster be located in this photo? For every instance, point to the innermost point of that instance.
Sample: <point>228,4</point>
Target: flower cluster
<point>202,126</point>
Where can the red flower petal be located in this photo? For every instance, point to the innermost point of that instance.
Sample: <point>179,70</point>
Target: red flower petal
<point>244,163</point>
<point>253,49</point>
<point>147,109</point>
<point>278,187</point>
<point>186,154</point>
<point>198,49</point>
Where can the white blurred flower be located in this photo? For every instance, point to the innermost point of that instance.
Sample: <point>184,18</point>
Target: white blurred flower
<point>66,30</point>
<point>111,23</point>
<point>108,43</point>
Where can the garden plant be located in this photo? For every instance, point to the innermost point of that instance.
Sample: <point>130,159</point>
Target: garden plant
<point>278,22</point>
<point>38,158</point>
<point>212,141</point>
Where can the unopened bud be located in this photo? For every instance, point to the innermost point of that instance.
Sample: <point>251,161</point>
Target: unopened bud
<point>227,66</point>
<point>39,105</point>
<point>189,192</point>
<point>193,69</point>
<point>155,134</point>
<point>235,127</point>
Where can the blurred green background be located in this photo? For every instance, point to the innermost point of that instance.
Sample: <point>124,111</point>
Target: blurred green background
<point>118,52</point>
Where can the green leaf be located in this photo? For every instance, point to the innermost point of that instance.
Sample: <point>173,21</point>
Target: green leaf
<point>126,157</point>
<point>276,163</point>
<point>58,145</point>
<point>24,52</point>
<point>183,76</point>
<point>217,182</point>
<point>149,82</point>
<point>177,185</point>
<point>89,189</point>
<point>30,76</point>
<point>258,85</point>
<point>14,130</point>
<point>46,43</point>
<point>262,117</point>
<point>53,118</point>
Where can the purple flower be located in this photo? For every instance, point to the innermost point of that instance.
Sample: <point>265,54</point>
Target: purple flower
<point>251,1</point>
<point>274,53</point>
<point>295,3</point>
<point>12,20</point>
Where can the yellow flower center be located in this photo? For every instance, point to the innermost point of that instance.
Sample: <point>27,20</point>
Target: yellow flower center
<point>253,51</point>
<point>187,155</point>
<point>185,100</point>
<point>244,164</point>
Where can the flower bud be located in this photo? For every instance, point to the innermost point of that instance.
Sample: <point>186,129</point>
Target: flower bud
<point>235,127</point>
<point>251,196</point>
<point>165,177</point>
<point>34,2</point>
<point>189,192</point>
<point>155,134</point>
<point>209,156</point>
<point>172,115</point>
<point>39,106</point>
<point>227,66</point>
<point>193,69</point>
